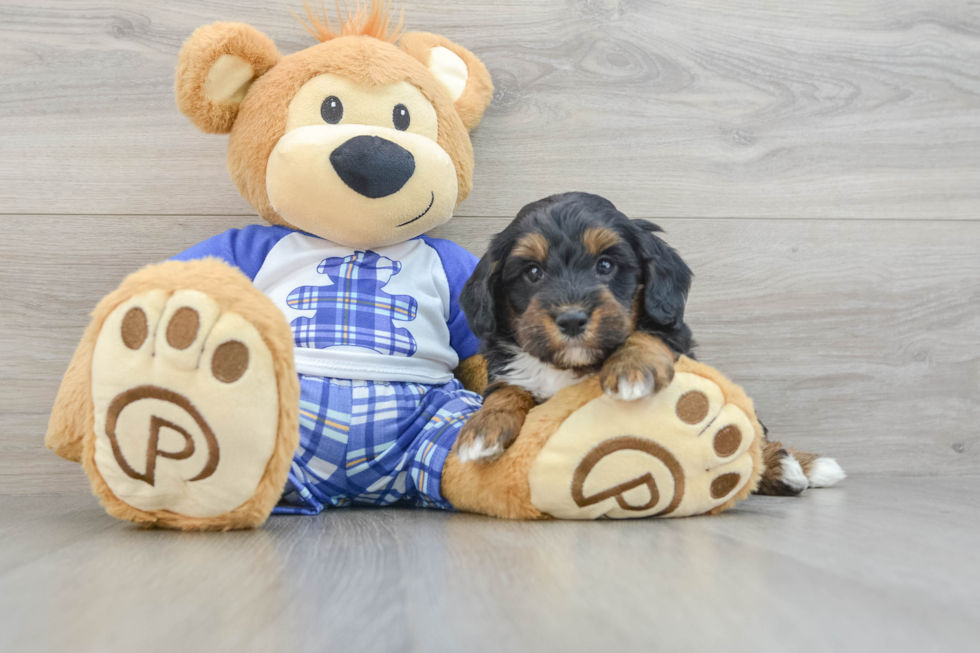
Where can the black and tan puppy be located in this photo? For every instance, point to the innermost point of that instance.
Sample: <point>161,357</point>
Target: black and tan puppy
<point>573,287</point>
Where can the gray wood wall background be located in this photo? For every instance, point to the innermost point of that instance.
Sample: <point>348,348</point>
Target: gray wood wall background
<point>817,164</point>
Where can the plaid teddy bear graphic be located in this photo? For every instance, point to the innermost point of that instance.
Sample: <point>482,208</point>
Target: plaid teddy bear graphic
<point>355,311</point>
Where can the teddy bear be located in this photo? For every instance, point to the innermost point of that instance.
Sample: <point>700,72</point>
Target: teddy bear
<point>323,360</point>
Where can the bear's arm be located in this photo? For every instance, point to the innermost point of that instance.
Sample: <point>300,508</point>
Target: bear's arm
<point>246,248</point>
<point>458,264</point>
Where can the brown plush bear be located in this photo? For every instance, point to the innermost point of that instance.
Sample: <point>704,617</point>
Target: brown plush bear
<point>322,361</point>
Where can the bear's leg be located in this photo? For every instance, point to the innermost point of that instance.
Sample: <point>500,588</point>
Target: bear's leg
<point>500,488</point>
<point>373,443</point>
<point>192,399</point>
<point>692,448</point>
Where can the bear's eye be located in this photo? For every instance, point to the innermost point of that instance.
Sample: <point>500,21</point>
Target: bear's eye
<point>332,110</point>
<point>400,117</point>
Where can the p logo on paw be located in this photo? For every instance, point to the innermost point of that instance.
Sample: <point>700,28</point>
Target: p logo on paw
<point>154,450</point>
<point>186,404</point>
<point>683,451</point>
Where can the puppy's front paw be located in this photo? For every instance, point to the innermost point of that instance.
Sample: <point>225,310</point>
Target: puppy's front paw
<point>487,434</point>
<point>628,377</point>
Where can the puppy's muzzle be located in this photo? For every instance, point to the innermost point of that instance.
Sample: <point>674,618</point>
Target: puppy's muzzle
<point>373,166</point>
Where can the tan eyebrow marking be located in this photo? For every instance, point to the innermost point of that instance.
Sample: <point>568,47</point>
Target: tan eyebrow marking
<point>532,246</point>
<point>599,239</point>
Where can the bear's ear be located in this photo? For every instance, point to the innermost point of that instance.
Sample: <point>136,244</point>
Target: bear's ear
<point>217,65</point>
<point>463,76</point>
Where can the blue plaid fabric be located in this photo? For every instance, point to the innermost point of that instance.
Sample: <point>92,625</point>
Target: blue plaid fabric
<point>373,443</point>
<point>355,310</point>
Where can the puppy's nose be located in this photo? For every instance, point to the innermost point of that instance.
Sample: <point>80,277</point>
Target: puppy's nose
<point>572,322</point>
<point>373,166</point>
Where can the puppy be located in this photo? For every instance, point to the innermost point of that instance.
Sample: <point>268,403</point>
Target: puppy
<point>571,287</point>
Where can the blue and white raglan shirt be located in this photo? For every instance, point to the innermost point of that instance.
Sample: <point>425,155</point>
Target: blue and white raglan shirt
<point>384,314</point>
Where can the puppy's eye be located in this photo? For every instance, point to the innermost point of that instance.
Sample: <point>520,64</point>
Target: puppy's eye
<point>332,110</point>
<point>400,117</point>
<point>533,274</point>
<point>604,267</point>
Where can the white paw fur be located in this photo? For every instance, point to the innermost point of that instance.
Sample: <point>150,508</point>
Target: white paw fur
<point>793,475</point>
<point>632,391</point>
<point>478,451</point>
<point>826,472</point>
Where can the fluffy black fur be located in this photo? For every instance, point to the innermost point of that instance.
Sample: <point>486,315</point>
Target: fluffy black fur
<point>646,275</point>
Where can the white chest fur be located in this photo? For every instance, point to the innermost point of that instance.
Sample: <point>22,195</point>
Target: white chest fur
<point>541,379</point>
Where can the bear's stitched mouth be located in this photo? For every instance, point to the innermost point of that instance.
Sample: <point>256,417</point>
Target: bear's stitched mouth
<point>419,216</point>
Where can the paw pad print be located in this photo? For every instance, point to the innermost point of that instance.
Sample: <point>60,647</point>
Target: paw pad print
<point>355,310</point>
<point>186,404</point>
<point>682,451</point>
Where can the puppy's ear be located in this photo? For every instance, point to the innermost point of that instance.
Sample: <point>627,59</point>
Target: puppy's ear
<point>457,69</point>
<point>217,65</point>
<point>666,278</point>
<point>477,298</point>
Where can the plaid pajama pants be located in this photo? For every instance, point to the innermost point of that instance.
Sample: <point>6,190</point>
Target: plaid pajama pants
<point>373,443</point>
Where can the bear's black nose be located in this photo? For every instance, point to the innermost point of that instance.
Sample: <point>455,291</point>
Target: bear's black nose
<point>373,166</point>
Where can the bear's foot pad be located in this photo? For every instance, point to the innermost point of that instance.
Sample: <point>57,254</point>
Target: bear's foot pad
<point>186,405</point>
<point>682,451</point>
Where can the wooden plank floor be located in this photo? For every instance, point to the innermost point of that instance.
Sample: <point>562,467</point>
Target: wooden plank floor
<point>878,564</point>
